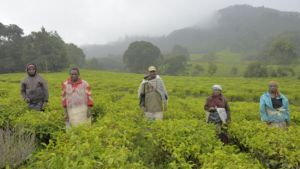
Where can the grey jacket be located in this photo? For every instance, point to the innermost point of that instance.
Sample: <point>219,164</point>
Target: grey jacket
<point>34,87</point>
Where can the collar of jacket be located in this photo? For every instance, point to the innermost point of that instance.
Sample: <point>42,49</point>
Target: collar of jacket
<point>78,82</point>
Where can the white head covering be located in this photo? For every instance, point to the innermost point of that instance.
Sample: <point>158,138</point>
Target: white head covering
<point>217,87</point>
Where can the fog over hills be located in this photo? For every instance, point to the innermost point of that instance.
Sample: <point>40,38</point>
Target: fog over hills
<point>242,28</point>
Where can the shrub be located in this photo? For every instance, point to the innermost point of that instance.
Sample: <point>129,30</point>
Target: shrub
<point>16,146</point>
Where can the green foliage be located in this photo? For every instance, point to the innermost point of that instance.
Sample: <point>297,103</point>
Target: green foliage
<point>76,54</point>
<point>11,44</point>
<point>47,50</point>
<point>112,63</point>
<point>92,64</point>
<point>208,57</point>
<point>283,52</point>
<point>234,71</point>
<point>212,68</point>
<point>120,137</point>
<point>255,69</point>
<point>179,50</point>
<point>140,55</point>
<point>175,65</point>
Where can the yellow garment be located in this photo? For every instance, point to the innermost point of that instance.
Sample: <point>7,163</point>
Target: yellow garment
<point>270,112</point>
<point>78,115</point>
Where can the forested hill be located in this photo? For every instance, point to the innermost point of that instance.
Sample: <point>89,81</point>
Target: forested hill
<point>242,28</point>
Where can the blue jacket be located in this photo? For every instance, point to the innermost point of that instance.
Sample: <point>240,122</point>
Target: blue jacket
<point>266,104</point>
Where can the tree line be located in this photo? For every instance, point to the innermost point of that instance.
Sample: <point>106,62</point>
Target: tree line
<point>46,49</point>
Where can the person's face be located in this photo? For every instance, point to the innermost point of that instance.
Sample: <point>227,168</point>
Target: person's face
<point>152,74</point>
<point>273,87</point>
<point>74,75</point>
<point>217,92</point>
<point>31,71</point>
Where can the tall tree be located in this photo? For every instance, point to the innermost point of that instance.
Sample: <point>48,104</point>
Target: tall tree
<point>76,54</point>
<point>47,50</point>
<point>175,65</point>
<point>11,42</point>
<point>283,51</point>
<point>212,68</point>
<point>179,50</point>
<point>255,69</point>
<point>93,64</point>
<point>140,55</point>
<point>234,71</point>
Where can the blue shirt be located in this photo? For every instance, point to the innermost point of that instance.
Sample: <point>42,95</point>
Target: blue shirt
<point>266,104</point>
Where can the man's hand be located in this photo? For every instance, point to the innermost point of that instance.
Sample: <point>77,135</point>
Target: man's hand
<point>228,121</point>
<point>269,122</point>
<point>66,117</point>
<point>44,104</point>
<point>27,100</point>
<point>143,109</point>
<point>288,123</point>
<point>165,107</point>
<point>89,112</point>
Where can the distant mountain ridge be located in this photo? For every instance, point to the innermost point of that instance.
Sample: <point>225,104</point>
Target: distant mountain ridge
<point>242,28</point>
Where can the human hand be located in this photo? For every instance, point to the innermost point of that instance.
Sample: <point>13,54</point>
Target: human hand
<point>228,121</point>
<point>66,117</point>
<point>27,100</point>
<point>44,104</point>
<point>269,122</point>
<point>143,109</point>
<point>211,108</point>
<point>288,123</point>
<point>89,112</point>
<point>165,108</point>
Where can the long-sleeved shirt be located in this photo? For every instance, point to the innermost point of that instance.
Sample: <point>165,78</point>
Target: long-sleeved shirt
<point>266,104</point>
<point>224,104</point>
<point>76,94</point>
<point>35,88</point>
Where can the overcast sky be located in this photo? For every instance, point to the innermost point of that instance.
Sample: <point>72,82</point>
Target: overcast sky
<point>103,21</point>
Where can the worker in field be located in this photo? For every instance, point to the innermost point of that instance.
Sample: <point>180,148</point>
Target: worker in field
<point>218,112</point>
<point>152,92</point>
<point>34,89</point>
<point>274,107</point>
<point>76,99</point>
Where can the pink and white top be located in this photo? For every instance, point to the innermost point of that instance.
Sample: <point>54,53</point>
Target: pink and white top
<point>77,94</point>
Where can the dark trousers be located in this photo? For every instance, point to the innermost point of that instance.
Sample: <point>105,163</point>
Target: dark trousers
<point>215,119</point>
<point>36,105</point>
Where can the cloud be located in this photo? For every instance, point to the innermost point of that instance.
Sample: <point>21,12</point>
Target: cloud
<point>102,21</point>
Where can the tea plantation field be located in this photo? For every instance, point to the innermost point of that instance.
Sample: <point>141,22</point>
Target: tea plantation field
<point>120,137</point>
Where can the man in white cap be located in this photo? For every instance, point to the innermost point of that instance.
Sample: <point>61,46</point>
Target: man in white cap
<point>152,92</point>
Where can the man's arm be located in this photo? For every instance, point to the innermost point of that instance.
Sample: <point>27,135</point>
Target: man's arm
<point>45,90</point>
<point>64,102</point>
<point>23,92</point>
<point>142,97</point>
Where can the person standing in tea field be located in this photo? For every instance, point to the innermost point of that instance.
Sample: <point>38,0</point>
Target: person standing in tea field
<point>76,99</point>
<point>274,107</point>
<point>152,92</point>
<point>34,89</point>
<point>218,111</point>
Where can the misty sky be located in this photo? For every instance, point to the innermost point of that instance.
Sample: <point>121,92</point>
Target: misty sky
<point>103,21</point>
